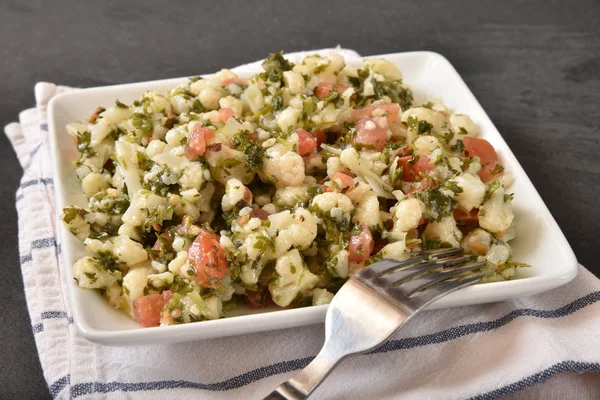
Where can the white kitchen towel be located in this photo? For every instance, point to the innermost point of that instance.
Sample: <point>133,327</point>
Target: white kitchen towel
<point>480,352</point>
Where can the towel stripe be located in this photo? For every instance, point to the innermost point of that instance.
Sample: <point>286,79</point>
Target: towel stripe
<point>468,329</point>
<point>540,377</point>
<point>31,155</point>
<point>35,182</point>
<point>57,387</point>
<point>43,243</point>
<point>247,378</point>
<point>37,328</point>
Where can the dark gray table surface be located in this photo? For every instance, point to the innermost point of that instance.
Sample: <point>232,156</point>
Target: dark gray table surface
<point>534,66</point>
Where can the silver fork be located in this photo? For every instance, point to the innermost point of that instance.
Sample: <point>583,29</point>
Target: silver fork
<point>377,301</point>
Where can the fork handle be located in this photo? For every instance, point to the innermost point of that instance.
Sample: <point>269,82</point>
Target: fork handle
<point>307,380</point>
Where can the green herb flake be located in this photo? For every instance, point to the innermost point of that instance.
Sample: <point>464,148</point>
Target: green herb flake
<point>498,169</point>
<point>252,150</point>
<point>121,105</point>
<point>91,276</point>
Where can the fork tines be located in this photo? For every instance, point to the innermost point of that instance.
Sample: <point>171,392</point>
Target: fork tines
<point>418,272</point>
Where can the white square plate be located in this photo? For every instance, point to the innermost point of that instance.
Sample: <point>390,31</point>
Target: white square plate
<point>539,241</point>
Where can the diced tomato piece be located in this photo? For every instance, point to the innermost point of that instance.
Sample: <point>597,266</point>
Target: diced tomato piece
<point>324,89</point>
<point>147,309</point>
<point>410,172</point>
<point>487,156</point>
<point>372,132</point>
<point>486,173</point>
<point>392,110</point>
<point>480,148</point>
<point>361,246</point>
<point>319,137</point>
<point>467,218</point>
<point>223,116</point>
<point>167,295</point>
<point>260,214</point>
<point>426,183</point>
<point>247,196</point>
<point>305,142</point>
<point>208,258</point>
<point>343,180</point>
<point>99,110</point>
<point>243,220</point>
<point>197,142</point>
<point>237,79</point>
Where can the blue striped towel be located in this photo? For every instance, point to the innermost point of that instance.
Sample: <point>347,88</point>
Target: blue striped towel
<point>480,352</point>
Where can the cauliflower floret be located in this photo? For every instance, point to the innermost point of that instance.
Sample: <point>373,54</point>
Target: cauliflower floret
<point>143,203</point>
<point>290,196</point>
<point>178,263</point>
<point>283,167</point>
<point>288,118</point>
<point>123,248</point>
<point>94,183</point>
<point>321,296</point>
<point>335,205</point>
<point>408,213</point>
<point>294,81</point>
<point>465,122</point>
<point>253,97</point>
<point>477,242</point>
<point>209,97</point>
<point>496,215</point>
<point>134,283</point>
<point>294,278</point>
<point>384,67</point>
<point>155,147</point>
<point>229,163</point>
<point>113,295</point>
<point>129,231</point>
<point>298,229</point>
<point>334,164</point>
<point>235,104</point>
<point>339,264</point>
<point>214,308</point>
<point>210,307</point>
<point>74,219</point>
<point>180,103</point>
<point>446,230</point>
<point>367,211</point>
<point>89,273</point>
<point>128,251</point>
<point>235,193</point>
<point>156,102</point>
<point>498,254</point>
<point>473,191</point>
<point>425,145</point>
<point>193,176</point>
<point>439,121</point>
<point>394,250</point>
<point>160,281</point>
<point>175,136</point>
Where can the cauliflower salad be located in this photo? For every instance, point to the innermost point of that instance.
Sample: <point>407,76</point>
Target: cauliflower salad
<point>275,189</point>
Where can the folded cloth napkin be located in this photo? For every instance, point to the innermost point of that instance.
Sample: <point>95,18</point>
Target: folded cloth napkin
<point>480,352</point>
